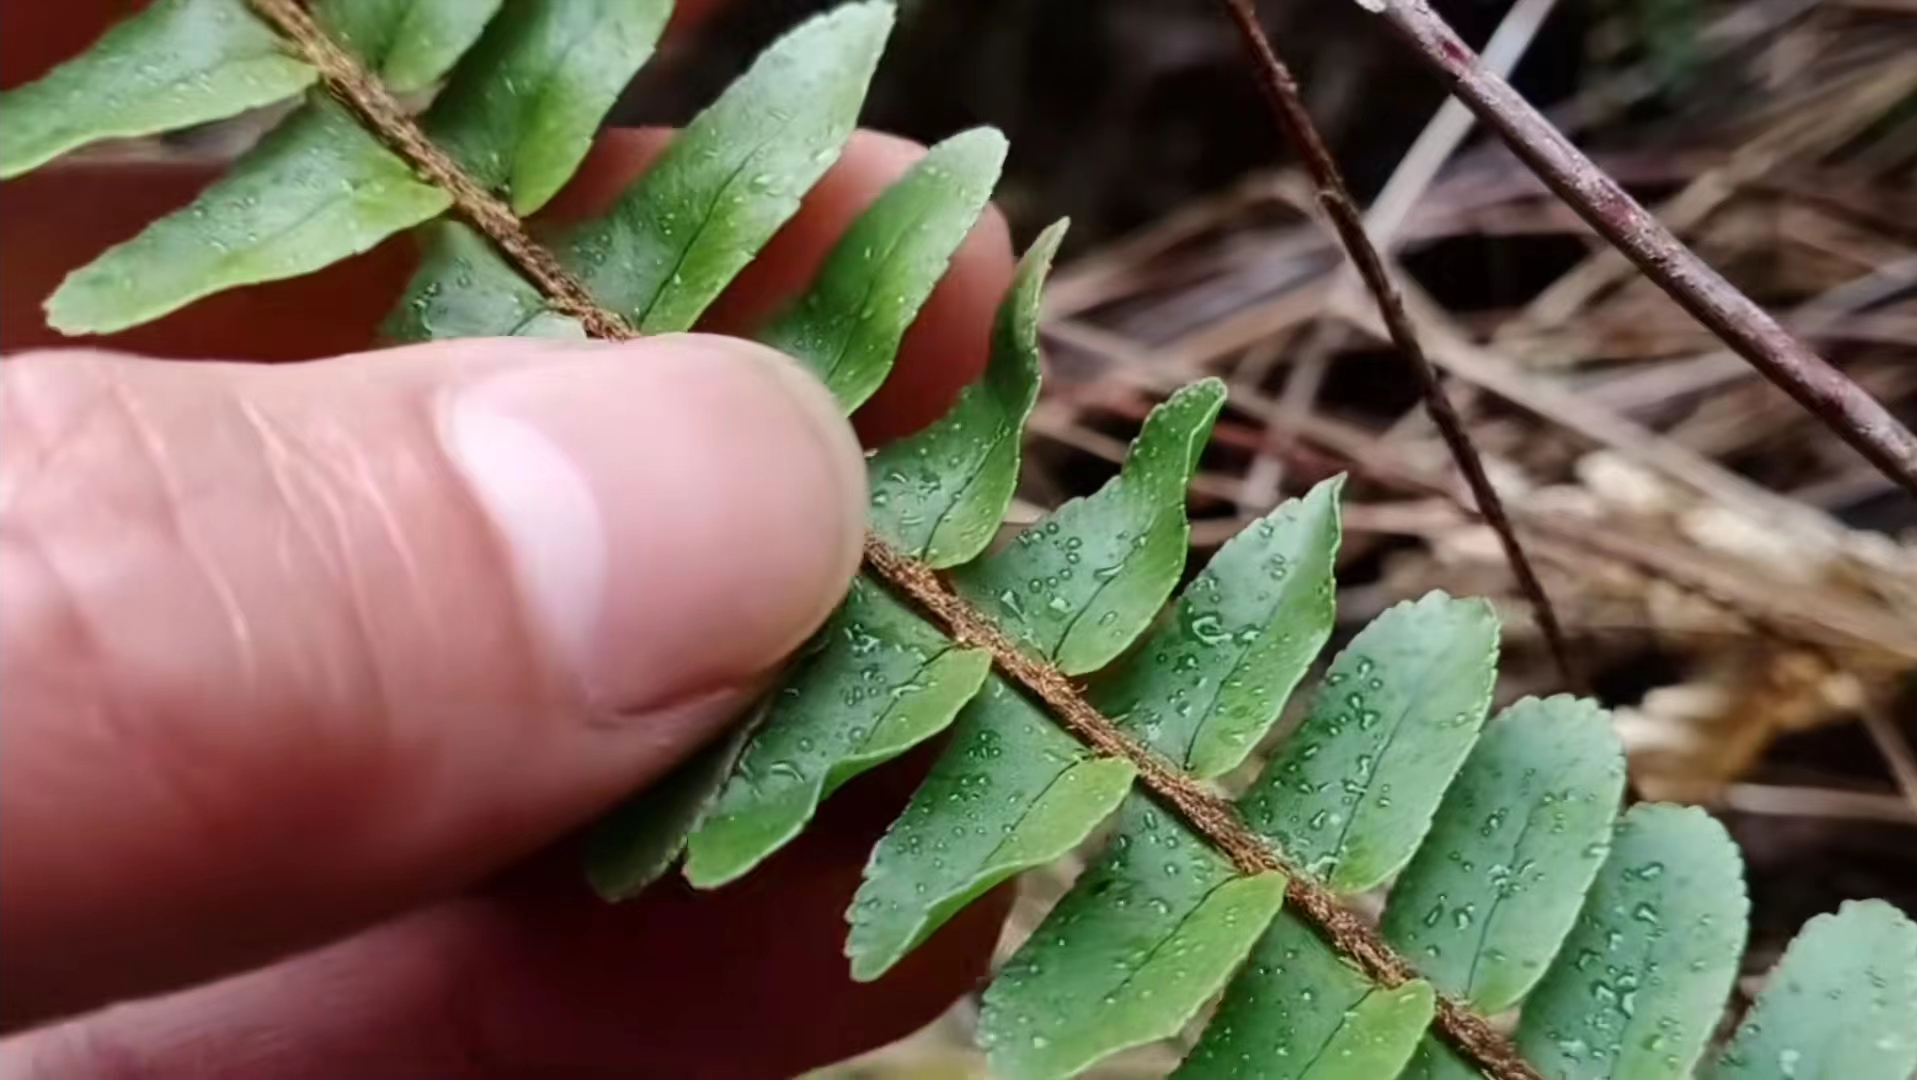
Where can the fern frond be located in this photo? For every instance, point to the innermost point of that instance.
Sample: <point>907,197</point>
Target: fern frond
<point>1142,941</point>
<point>316,190</point>
<point>1842,1003</point>
<point>463,288</point>
<point>1205,687</point>
<point>1617,941</point>
<point>1078,586</point>
<point>408,44</point>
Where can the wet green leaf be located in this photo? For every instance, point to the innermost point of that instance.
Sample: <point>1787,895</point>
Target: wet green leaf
<point>1209,682</point>
<point>1492,892</point>
<point>1011,792</point>
<point>1143,940</point>
<point>409,44</point>
<point>173,65</point>
<point>878,682</point>
<point>1436,1061</point>
<point>1299,1012</point>
<point>314,191</point>
<point>1841,1005</point>
<point>463,288</point>
<point>1641,981</point>
<point>940,494</point>
<point>848,324</point>
<point>1352,791</point>
<point>1079,585</point>
<point>521,111</point>
<point>734,175</point>
<point>637,842</point>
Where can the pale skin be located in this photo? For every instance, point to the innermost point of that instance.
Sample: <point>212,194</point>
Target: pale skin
<point>309,668</point>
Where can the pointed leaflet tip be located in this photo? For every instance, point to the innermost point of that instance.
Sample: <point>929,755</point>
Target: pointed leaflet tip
<point>1010,792</point>
<point>1079,585</point>
<point>939,495</point>
<point>1211,679</point>
<point>876,681</point>
<point>848,324</point>
<point>317,189</point>
<point>1143,940</point>
<point>734,176</point>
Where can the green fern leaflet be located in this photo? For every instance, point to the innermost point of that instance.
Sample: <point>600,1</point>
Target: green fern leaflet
<point>1510,879</point>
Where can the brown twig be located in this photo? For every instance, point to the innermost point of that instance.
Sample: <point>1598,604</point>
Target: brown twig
<point>1212,817</point>
<point>1281,91</point>
<point>1846,408</point>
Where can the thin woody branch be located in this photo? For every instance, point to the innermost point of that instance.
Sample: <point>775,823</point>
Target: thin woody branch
<point>1212,817</point>
<point>1748,329</point>
<point>1287,105</point>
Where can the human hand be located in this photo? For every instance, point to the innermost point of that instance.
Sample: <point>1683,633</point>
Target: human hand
<point>301,663</point>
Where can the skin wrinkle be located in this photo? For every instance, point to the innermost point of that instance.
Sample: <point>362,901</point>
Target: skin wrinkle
<point>146,436</point>
<point>320,515</point>
<point>91,647</point>
<point>279,456</point>
<point>371,493</point>
<point>84,643</point>
<point>49,436</point>
<point>111,724</point>
<point>363,653</point>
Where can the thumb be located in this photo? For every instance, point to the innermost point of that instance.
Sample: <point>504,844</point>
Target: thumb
<point>288,649</point>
